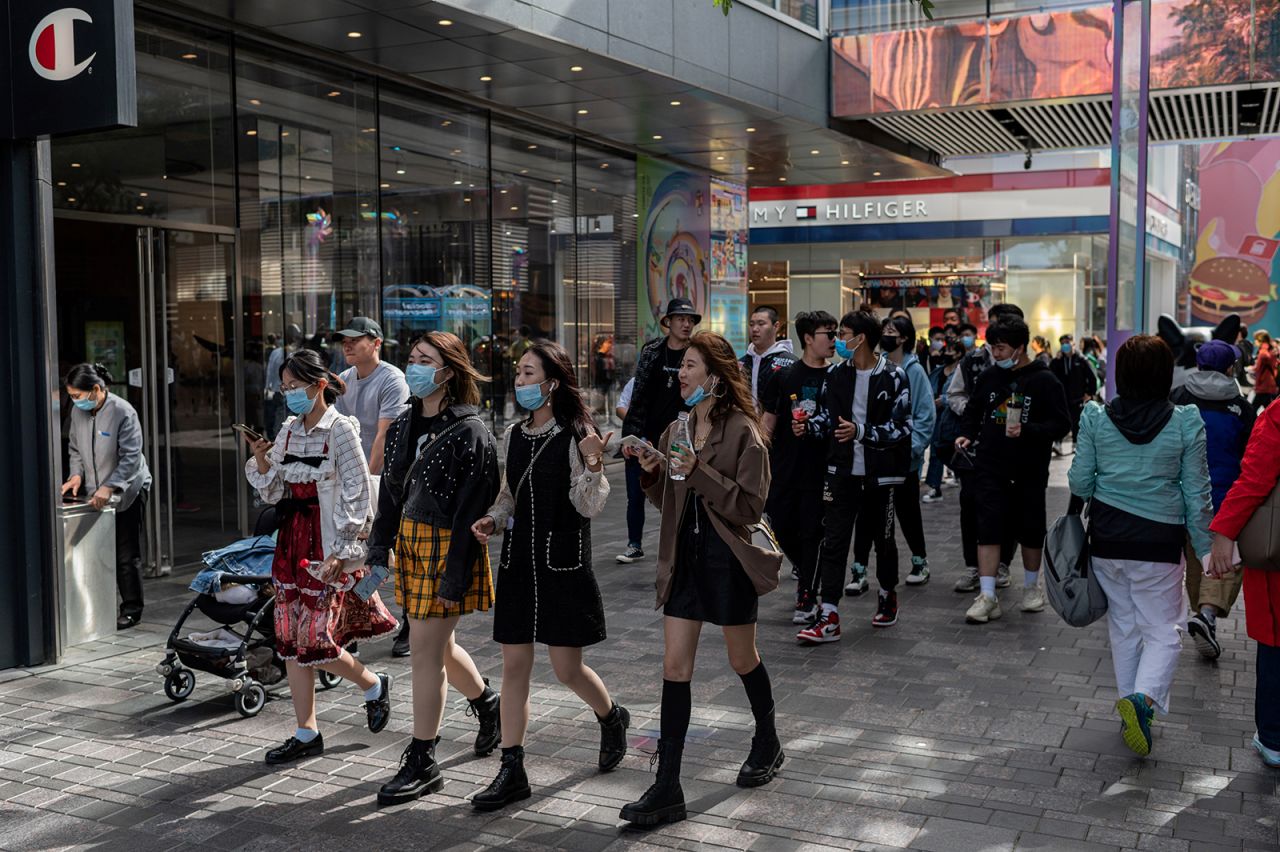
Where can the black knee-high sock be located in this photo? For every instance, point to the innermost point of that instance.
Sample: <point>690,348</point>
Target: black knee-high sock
<point>677,705</point>
<point>760,694</point>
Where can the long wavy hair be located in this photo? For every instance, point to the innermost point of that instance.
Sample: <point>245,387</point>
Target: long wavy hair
<point>567,403</point>
<point>464,383</point>
<point>732,392</point>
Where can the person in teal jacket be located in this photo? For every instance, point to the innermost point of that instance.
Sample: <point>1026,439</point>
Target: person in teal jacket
<point>1142,463</point>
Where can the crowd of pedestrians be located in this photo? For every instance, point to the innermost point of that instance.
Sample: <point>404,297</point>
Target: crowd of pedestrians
<point>809,454</point>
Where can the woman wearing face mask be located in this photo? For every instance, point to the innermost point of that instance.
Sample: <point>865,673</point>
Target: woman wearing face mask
<point>708,568</point>
<point>439,477</point>
<point>107,463</point>
<point>547,592</point>
<point>946,426</point>
<point>315,474</point>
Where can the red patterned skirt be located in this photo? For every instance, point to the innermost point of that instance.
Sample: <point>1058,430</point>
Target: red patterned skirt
<point>313,620</point>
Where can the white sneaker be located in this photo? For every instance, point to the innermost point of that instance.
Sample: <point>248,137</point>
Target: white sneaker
<point>984,609</point>
<point>857,580</point>
<point>1033,599</point>
<point>933,496</point>
<point>1002,576</point>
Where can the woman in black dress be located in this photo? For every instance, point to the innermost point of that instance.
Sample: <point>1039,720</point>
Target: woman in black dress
<point>709,570</point>
<point>547,593</point>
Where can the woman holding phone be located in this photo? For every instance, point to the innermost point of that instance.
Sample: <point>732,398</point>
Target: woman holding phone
<point>107,463</point>
<point>708,568</point>
<point>440,476</point>
<point>547,592</point>
<point>315,474</point>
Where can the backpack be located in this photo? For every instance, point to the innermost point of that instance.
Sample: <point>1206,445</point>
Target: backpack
<point>1069,581</point>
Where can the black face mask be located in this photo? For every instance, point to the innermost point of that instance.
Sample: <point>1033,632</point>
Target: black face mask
<point>890,344</point>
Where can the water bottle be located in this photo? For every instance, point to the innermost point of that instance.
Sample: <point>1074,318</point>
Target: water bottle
<point>681,438</point>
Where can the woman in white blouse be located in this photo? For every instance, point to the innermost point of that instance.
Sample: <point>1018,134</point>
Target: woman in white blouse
<point>554,484</point>
<point>316,476</point>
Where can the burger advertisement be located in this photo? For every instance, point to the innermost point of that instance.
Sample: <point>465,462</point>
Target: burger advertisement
<point>1237,269</point>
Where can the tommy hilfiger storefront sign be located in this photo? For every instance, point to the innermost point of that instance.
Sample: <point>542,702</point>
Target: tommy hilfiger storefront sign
<point>871,210</point>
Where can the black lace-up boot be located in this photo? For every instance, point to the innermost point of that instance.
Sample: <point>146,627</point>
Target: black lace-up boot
<point>510,785</point>
<point>766,755</point>
<point>486,709</point>
<point>613,737</point>
<point>419,774</point>
<point>664,800</point>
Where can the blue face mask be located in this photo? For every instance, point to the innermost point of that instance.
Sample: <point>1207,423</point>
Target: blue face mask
<point>1066,349</point>
<point>698,395</point>
<point>421,379</point>
<point>1006,364</point>
<point>968,340</point>
<point>531,397</point>
<point>298,401</point>
<point>844,350</point>
<point>85,403</point>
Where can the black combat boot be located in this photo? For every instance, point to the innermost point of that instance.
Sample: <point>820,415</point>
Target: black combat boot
<point>766,755</point>
<point>419,774</point>
<point>664,800</point>
<point>613,737</point>
<point>510,785</point>
<point>486,709</point>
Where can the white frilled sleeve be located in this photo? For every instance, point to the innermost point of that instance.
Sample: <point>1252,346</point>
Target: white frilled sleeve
<point>587,490</point>
<point>270,485</point>
<point>503,508</point>
<point>351,504</point>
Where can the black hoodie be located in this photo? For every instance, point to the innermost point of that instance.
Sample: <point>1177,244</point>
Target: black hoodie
<point>1140,422</point>
<point>1045,419</point>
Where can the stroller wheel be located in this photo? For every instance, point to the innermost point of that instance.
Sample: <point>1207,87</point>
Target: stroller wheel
<point>251,699</point>
<point>178,684</point>
<point>328,680</point>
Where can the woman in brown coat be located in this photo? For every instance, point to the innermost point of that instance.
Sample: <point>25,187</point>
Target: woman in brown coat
<point>711,498</point>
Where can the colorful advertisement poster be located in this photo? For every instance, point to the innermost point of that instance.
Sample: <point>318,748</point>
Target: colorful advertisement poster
<point>675,240</point>
<point>1237,266</point>
<point>729,239</point>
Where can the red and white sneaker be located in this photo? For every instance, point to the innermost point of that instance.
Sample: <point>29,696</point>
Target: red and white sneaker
<point>886,610</point>
<point>825,629</point>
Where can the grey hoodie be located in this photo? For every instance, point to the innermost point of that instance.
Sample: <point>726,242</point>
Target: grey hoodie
<point>1210,385</point>
<point>106,449</point>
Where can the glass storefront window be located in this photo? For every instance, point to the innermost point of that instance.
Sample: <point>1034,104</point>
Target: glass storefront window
<point>532,250</point>
<point>603,295</point>
<point>308,209</point>
<point>177,164</point>
<point>435,215</point>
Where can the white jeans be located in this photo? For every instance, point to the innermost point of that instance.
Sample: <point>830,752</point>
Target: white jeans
<point>1145,611</point>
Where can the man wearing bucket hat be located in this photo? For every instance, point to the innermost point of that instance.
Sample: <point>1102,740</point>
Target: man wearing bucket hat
<point>655,402</point>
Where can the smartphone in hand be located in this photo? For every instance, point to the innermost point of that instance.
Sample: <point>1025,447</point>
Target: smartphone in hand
<point>371,581</point>
<point>638,444</point>
<point>248,432</point>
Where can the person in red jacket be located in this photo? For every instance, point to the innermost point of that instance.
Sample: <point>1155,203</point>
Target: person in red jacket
<point>1259,473</point>
<point>1264,372</point>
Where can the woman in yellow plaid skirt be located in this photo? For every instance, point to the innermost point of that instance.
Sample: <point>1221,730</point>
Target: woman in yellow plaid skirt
<point>439,476</point>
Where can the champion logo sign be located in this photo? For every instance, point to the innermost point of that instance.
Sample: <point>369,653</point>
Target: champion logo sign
<point>52,50</point>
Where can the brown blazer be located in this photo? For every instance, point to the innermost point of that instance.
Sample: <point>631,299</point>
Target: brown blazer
<point>732,477</point>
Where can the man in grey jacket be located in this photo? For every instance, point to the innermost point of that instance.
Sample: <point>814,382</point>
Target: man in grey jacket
<point>107,466</point>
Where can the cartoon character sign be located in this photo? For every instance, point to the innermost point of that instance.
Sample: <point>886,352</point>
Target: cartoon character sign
<point>675,241</point>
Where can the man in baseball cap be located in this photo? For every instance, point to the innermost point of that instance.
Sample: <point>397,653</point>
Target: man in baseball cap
<point>1228,419</point>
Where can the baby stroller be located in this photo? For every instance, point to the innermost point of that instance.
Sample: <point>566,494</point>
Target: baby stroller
<point>242,650</point>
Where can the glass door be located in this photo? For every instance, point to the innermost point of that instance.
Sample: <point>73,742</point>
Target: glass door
<point>186,381</point>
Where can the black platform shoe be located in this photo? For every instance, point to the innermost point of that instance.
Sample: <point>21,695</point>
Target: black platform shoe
<point>295,749</point>
<point>763,762</point>
<point>486,708</point>
<point>419,774</point>
<point>378,710</point>
<point>613,737</point>
<point>664,800</point>
<point>510,785</point>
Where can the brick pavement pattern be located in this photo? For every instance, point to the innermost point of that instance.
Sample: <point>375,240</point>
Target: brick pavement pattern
<point>932,735</point>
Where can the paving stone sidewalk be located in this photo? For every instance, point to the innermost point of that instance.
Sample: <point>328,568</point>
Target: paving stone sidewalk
<point>931,735</point>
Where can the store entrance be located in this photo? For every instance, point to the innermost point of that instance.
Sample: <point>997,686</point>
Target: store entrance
<point>154,305</point>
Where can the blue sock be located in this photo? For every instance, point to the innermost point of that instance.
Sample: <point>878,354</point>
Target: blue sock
<point>987,586</point>
<point>305,735</point>
<point>374,692</point>
<point>1030,578</point>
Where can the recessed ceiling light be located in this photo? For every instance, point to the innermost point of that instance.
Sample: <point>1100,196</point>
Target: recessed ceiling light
<point>502,192</point>
<point>255,101</point>
<point>875,174</point>
<point>399,171</point>
<point>575,68</point>
<point>334,93</point>
<point>524,171</point>
<point>62,183</point>
<point>583,111</point>
<point>384,185</point>
<point>467,200</point>
<point>486,79</point>
<point>75,165</point>
<point>364,204</point>
<point>140,207</point>
<point>604,165</point>
<point>675,103</point>
<point>354,34</point>
<point>445,22</point>
<point>251,133</point>
<point>751,130</point>
<point>720,158</point>
<point>71,201</point>
<point>457,183</point>
<point>284,133</point>
<point>533,147</point>
<point>142,195</point>
<point>369,130</point>
<point>815,151</point>
<point>189,56</point>
<point>515,207</point>
<point>446,122</point>
<point>783,179</point>
<point>657,136</point>
<point>751,168</point>
<point>844,162</point>
<point>306,177</point>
